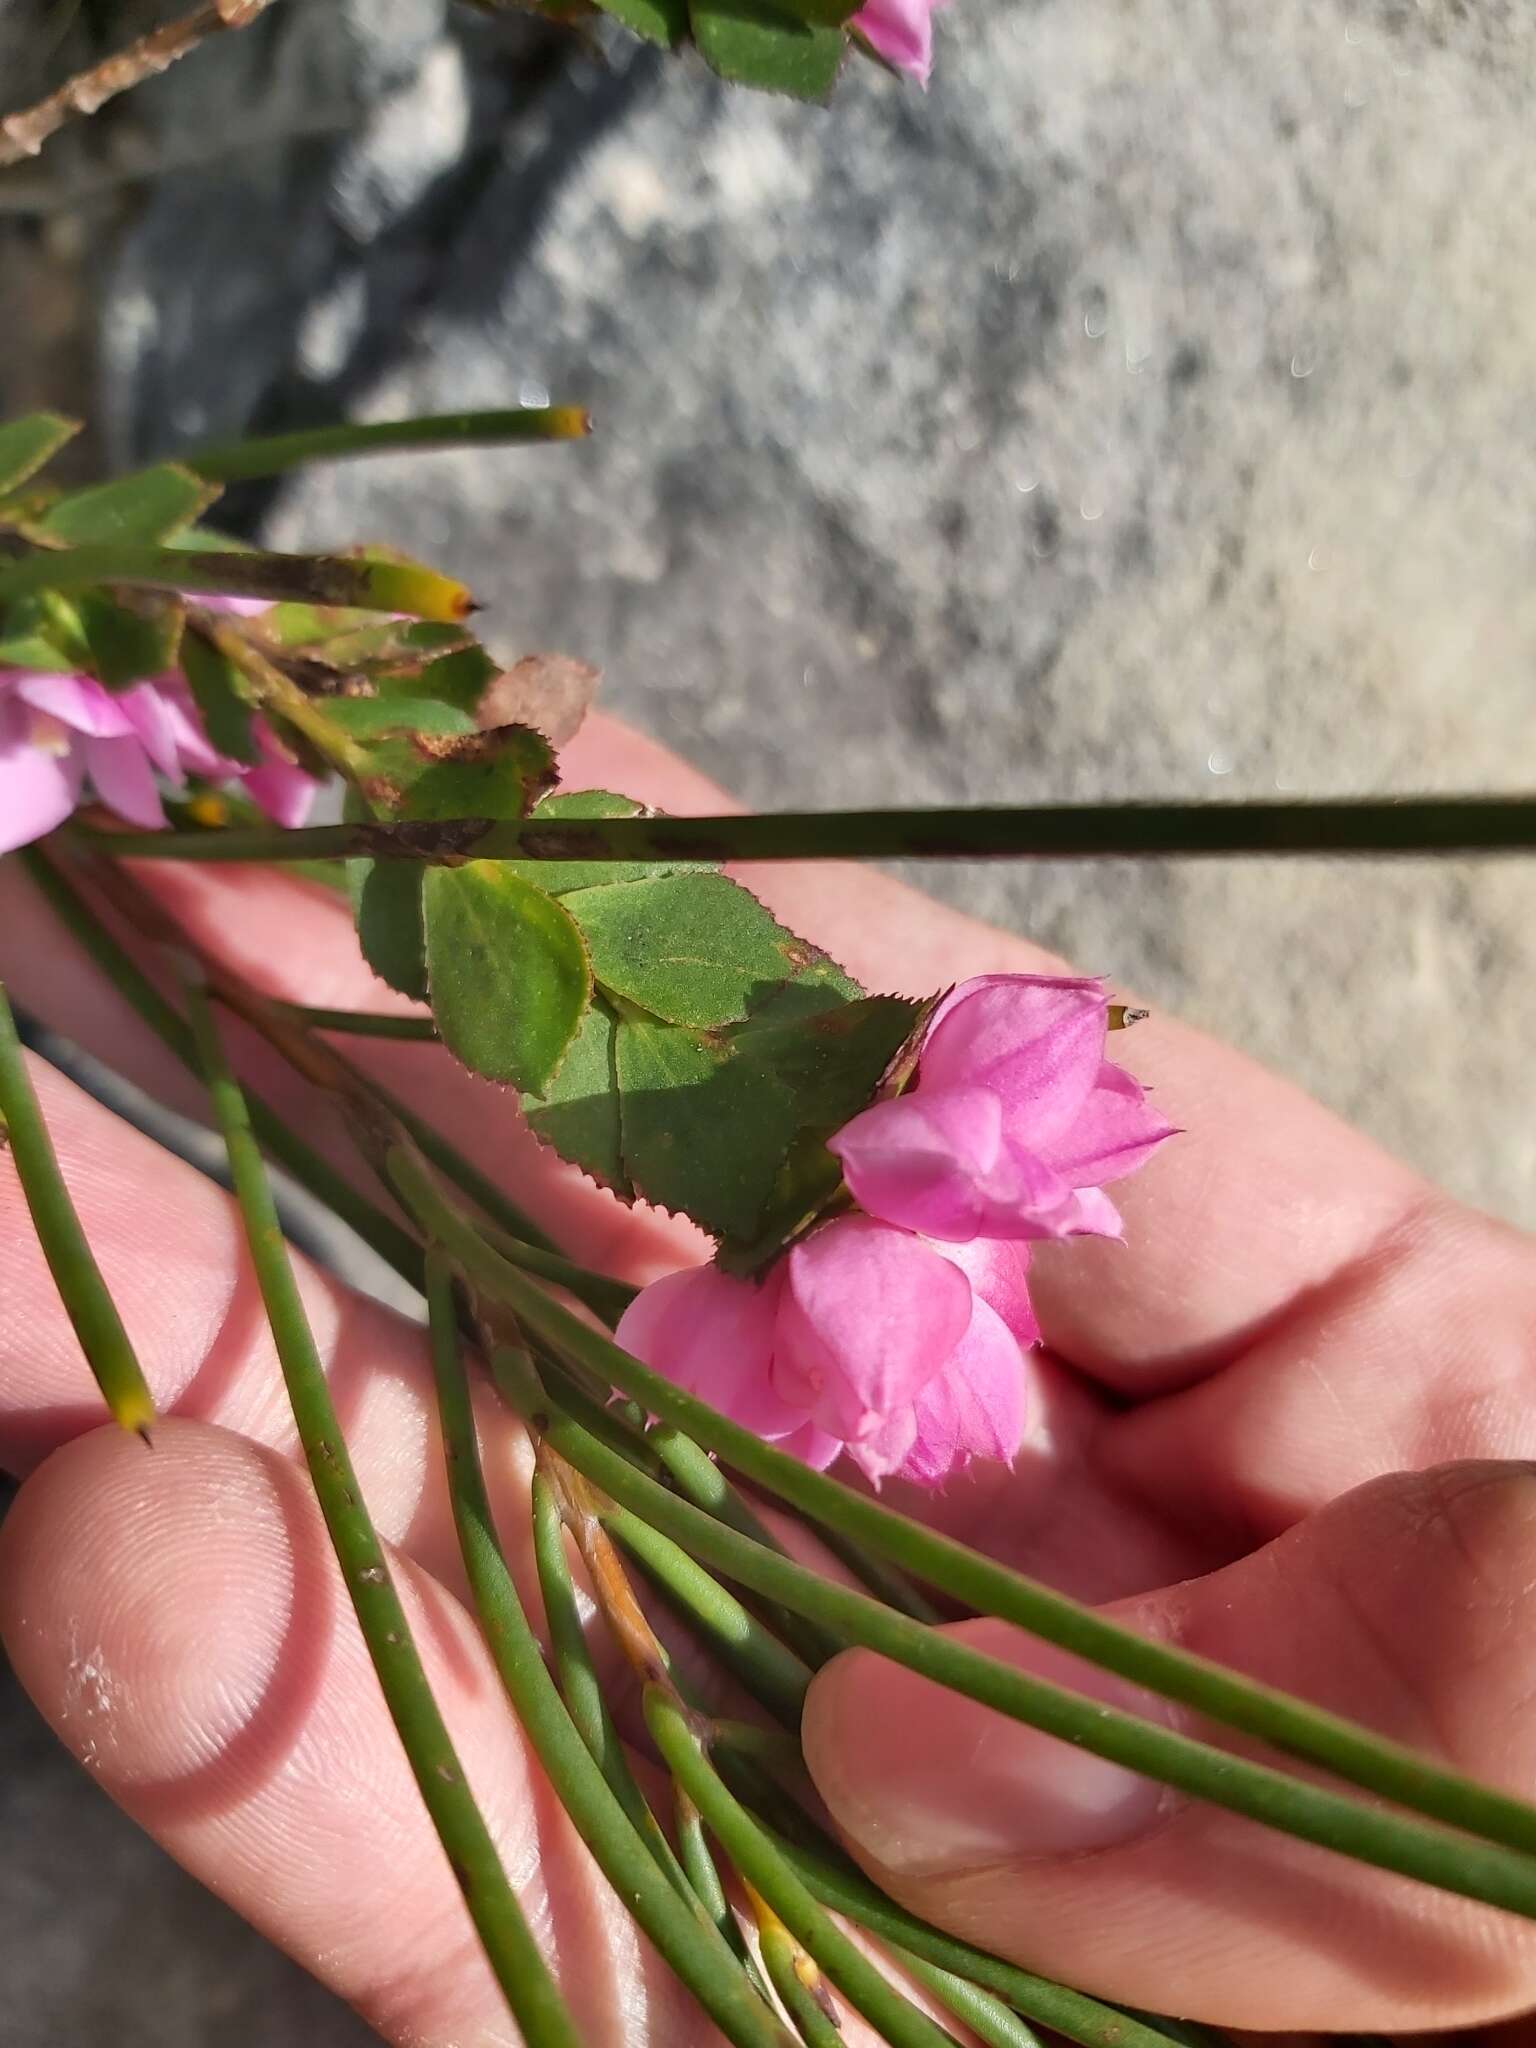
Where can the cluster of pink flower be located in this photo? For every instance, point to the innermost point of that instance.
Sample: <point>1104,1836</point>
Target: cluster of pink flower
<point>896,1333</point>
<point>60,732</point>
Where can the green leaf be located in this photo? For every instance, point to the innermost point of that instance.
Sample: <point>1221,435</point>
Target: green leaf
<point>579,1112</point>
<point>221,693</point>
<point>495,774</point>
<point>130,640</point>
<point>750,43</point>
<point>703,1133</point>
<point>396,657</point>
<point>659,21</point>
<point>508,972</point>
<point>428,761</point>
<point>560,877</point>
<point>26,444</point>
<point>44,632</point>
<point>147,507</point>
<point>831,1061</point>
<point>386,904</point>
<point>693,949</point>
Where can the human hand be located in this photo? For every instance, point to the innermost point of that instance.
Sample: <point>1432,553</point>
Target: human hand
<point>1293,1315</point>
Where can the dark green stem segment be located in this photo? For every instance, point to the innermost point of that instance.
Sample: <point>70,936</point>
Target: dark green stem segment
<point>987,2017</point>
<point>1290,1724</point>
<point>377,1230</point>
<point>349,580</point>
<point>773,1675</point>
<point>364,1023</point>
<point>452,1164</point>
<point>531,1993</point>
<point>682,1933</point>
<point>895,2019</point>
<point>270,454</point>
<point>84,1293</point>
<point>698,1478</point>
<point>1341,825</point>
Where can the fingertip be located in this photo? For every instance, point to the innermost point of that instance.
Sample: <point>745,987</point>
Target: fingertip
<point>156,1696</point>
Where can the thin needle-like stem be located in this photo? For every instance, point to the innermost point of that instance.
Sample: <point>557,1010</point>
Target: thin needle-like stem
<point>681,1931</point>
<point>520,1969</point>
<point>307,1166</point>
<point>1339,825</point>
<point>894,2017</point>
<point>272,454</point>
<point>86,1298</point>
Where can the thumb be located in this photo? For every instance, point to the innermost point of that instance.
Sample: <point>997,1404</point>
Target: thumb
<point>1409,1604</point>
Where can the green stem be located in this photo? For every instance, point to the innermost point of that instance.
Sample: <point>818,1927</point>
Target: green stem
<point>886,1581</point>
<point>704,1877</point>
<point>574,1670</point>
<point>452,1164</point>
<point>280,697</point>
<point>1436,1856</point>
<point>987,2017</point>
<point>1388,825</point>
<point>364,1023</point>
<point>681,1932</point>
<point>893,2016</point>
<point>313,1172</point>
<point>352,581</point>
<point>698,1478</point>
<point>535,2002</point>
<point>772,1674</point>
<point>1351,1752</point>
<point>271,454</point>
<point>77,1276</point>
<point>817,2025</point>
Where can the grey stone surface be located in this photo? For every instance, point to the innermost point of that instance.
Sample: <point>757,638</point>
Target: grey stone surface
<point>1150,409</point>
<point>1147,410</point>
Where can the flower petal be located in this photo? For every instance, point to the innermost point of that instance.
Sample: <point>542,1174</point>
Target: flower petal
<point>37,789</point>
<point>122,777</point>
<point>149,716</point>
<point>998,1270</point>
<point>901,31</point>
<point>1116,1130</point>
<point>868,1315</point>
<point>1037,1039</point>
<point>283,791</point>
<point>974,1408</point>
<point>78,702</point>
<point>935,1162</point>
<point>712,1335</point>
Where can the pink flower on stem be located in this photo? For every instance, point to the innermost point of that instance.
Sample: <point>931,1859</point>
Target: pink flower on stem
<point>900,31</point>
<point>60,732</point>
<point>1014,1124</point>
<point>863,1339</point>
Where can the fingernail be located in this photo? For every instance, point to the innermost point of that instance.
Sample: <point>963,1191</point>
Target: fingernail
<point>928,1783</point>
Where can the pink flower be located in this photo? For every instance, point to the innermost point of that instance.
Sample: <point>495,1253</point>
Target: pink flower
<point>58,732</point>
<point>1014,1124</point>
<point>900,31</point>
<point>863,1339</point>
